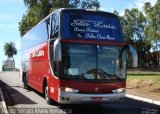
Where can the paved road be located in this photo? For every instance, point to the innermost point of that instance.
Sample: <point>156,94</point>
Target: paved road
<point>21,100</point>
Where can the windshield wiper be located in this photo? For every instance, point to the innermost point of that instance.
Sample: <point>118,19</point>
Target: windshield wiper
<point>111,76</point>
<point>77,77</point>
<point>117,77</point>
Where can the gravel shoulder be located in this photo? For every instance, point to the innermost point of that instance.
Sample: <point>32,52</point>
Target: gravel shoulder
<point>144,84</point>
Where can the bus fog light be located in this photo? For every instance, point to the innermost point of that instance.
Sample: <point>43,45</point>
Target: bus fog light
<point>69,90</point>
<point>67,99</point>
<point>120,90</point>
<point>62,98</point>
<point>122,99</point>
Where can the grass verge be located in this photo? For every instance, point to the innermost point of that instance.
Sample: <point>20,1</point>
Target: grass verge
<point>144,83</point>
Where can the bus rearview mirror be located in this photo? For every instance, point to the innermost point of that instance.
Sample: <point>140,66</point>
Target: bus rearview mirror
<point>133,52</point>
<point>134,56</point>
<point>57,50</point>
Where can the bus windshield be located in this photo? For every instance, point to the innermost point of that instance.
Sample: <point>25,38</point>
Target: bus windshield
<point>84,61</point>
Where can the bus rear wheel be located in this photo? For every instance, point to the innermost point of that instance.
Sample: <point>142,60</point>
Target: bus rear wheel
<point>48,99</point>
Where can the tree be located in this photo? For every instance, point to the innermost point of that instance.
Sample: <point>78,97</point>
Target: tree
<point>10,50</point>
<point>133,23</point>
<point>38,9</point>
<point>152,30</point>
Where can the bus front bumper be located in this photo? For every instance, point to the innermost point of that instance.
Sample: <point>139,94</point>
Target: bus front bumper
<point>77,98</point>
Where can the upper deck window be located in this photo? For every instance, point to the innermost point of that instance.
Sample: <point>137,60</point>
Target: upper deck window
<point>55,26</point>
<point>90,26</point>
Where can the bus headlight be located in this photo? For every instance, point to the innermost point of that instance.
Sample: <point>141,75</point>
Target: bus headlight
<point>120,90</point>
<point>69,90</point>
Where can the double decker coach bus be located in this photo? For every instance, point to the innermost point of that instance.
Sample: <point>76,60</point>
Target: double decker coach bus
<point>76,56</point>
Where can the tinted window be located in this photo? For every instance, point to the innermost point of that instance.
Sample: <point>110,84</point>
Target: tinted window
<point>41,33</point>
<point>37,35</point>
<point>55,27</point>
<point>84,61</point>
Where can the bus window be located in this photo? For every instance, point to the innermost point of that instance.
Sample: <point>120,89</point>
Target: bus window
<point>78,59</point>
<point>55,26</point>
<point>92,62</point>
<point>37,35</point>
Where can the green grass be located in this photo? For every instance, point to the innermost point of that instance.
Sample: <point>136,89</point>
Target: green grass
<point>142,75</point>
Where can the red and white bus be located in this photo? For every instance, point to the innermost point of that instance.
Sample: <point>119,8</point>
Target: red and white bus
<point>76,56</point>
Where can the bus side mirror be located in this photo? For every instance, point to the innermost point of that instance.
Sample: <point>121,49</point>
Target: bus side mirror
<point>133,52</point>
<point>134,56</point>
<point>57,50</point>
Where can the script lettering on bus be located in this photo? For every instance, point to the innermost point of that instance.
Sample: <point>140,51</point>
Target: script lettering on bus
<point>38,53</point>
<point>89,29</point>
<point>99,36</point>
<point>88,23</point>
<point>92,29</point>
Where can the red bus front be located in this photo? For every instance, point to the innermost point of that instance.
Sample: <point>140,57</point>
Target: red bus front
<point>85,61</point>
<point>90,72</point>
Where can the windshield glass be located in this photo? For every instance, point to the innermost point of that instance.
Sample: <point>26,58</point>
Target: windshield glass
<point>83,61</point>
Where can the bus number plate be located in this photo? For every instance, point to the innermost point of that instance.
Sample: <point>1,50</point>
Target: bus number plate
<point>96,99</point>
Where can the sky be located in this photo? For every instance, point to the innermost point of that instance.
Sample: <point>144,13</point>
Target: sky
<point>11,12</point>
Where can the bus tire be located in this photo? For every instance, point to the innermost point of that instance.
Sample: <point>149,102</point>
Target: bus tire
<point>25,83</point>
<point>48,99</point>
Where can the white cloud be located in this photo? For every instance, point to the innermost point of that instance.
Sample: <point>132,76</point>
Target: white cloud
<point>140,3</point>
<point>121,13</point>
<point>106,9</point>
<point>8,26</point>
<point>103,9</point>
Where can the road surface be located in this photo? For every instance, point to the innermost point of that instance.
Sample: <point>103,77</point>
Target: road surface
<point>19,100</point>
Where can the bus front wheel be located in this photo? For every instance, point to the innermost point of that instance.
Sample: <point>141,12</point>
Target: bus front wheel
<point>48,99</point>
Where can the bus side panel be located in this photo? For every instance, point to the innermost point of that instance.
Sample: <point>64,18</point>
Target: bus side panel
<point>39,71</point>
<point>37,65</point>
<point>54,85</point>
